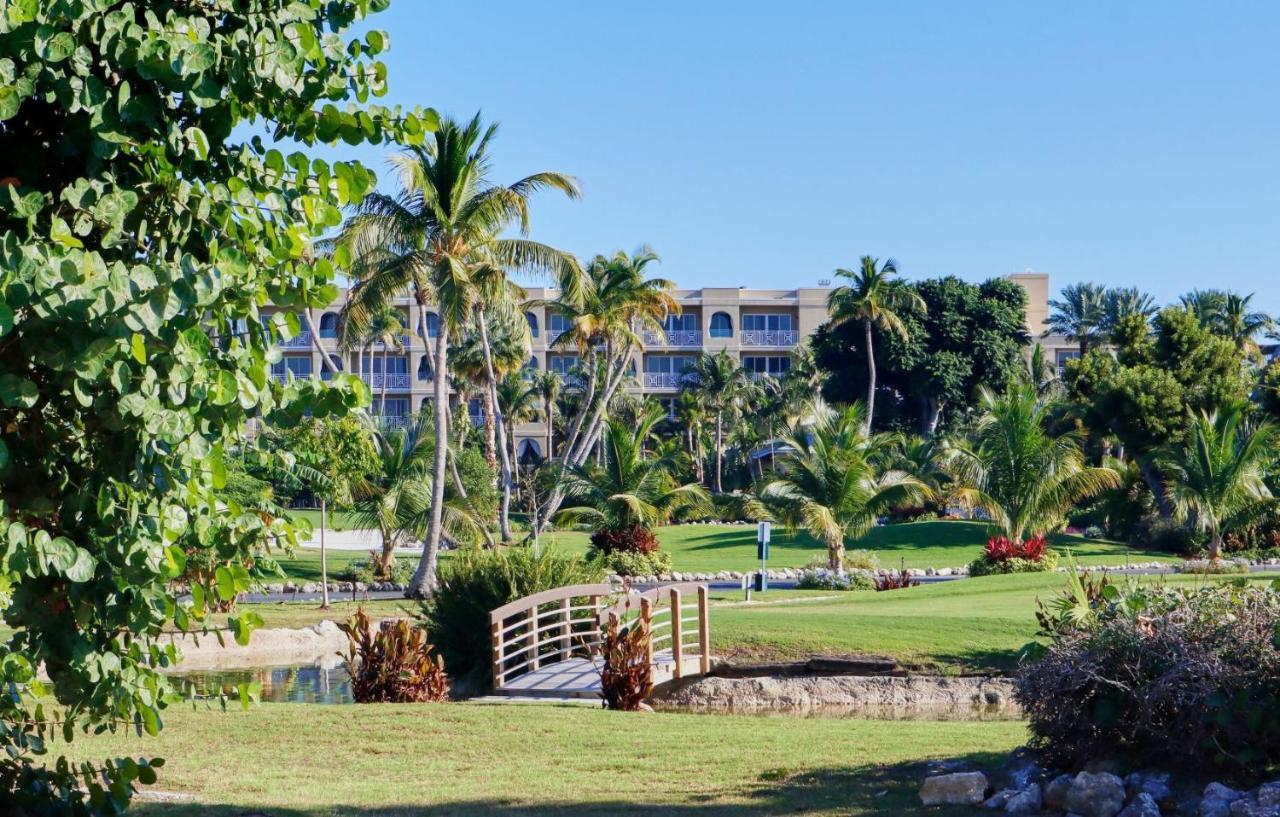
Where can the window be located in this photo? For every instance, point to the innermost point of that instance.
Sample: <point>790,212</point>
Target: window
<point>687,322</point>
<point>561,364</point>
<point>721,325</point>
<point>325,374</point>
<point>475,409</point>
<point>396,364</point>
<point>395,407</point>
<point>774,366</point>
<point>329,325</point>
<point>557,323</point>
<point>530,452</point>
<point>1064,355</point>
<point>433,325</point>
<point>424,367</point>
<point>299,367</point>
<point>767,323</point>
<point>657,364</point>
<point>533,323</point>
<point>531,364</point>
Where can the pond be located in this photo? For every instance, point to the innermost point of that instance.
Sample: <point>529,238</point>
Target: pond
<point>308,684</point>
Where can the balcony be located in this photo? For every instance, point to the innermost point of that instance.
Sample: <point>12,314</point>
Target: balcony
<point>570,380</point>
<point>390,421</point>
<point>681,338</point>
<point>477,420</point>
<point>395,380</point>
<point>400,340</point>
<point>302,341</point>
<point>285,377</point>
<point>770,337</point>
<point>756,377</point>
<point>661,380</point>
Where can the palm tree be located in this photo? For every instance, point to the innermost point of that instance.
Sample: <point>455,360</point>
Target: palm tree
<point>1119,303</point>
<point>828,482</point>
<point>1015,469</point>
<point>876,299</point>
<point>720,384</point>
<point>690,414</point>
<point>517,401</point>
<point>1079,314</point>
<point>1216,478</point>
<point>633,488</point>
<point>443,228</point>
<point>1241,323</point>
<point>396,499</point>
<point>385,329</point>
<point>548,387</point>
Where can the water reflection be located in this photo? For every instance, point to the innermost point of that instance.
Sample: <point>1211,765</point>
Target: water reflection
<point>295,685</point>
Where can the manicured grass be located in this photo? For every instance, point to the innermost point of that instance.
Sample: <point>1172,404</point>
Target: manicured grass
<point>338,520</point>
<point>965,625</point>
<point>304,564</point>
<point>432,760</point>
<point>712,548</point>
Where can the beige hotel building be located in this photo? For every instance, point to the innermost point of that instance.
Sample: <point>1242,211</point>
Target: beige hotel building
<point>759,327</point>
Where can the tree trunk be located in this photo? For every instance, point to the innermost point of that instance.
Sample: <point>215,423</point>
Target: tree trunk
<point>324,560</point>
<point>932,413</point>
<point>1156,484</point>
<point>871,375</point>
<point>315,342</point>
<point>1215,546</point>
<point>719,449</point>
<point>423,582</point>
<point>551,428</point>
<point>835,556</point>
<point>490,429</point>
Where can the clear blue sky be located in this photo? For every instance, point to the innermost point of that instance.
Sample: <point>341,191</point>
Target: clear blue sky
<point>766,144</point>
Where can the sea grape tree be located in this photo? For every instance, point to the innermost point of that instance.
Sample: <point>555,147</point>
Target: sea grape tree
<point>156,192</point>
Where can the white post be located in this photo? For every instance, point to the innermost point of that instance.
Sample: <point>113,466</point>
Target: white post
<point>324,563</point>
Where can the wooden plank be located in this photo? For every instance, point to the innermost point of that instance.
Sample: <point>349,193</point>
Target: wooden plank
<point>677,640</point>
<point>572,591</point>
<point>704,630</point>
<point>533,635</point>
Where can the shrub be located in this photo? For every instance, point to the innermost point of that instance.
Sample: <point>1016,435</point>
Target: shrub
<point>365,570</point>
<point>477,581</point>
<point>624,563</point>
<point>1209,567</point>
<point>635,539</point>
<point>825,579</point>
<point>860,559</point>
<point>392,663</point>
<point>1094,532</point>
<point>1003,555</point>
<point>1164,677</point>
<point>626,675</point>
<point>895,580</point>
<point>1166,535</point>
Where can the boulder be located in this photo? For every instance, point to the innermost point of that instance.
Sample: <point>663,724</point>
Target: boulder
<point>1055,792</point>
<point>960,788</point>
<point>1027,801</point>
<point>1269,794</point>
<point>1155,784</point>
<point>1217,800</point>
<point>1142,805</point>
<point>999,799</point>
<point>1095,794</point>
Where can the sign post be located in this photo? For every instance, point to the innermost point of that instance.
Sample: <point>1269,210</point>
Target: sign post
<point>762,551</point>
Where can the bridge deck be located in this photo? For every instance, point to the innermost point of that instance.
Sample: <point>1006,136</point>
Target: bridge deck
<point>580,677</point>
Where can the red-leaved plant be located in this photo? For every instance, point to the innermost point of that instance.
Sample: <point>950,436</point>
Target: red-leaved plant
<point>895,581</point>
<point>1002,548</point>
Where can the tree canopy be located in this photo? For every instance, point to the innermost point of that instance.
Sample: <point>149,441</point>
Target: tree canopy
<point>146,219</point>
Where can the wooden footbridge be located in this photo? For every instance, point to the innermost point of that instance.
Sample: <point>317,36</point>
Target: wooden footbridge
<point>548,645</point>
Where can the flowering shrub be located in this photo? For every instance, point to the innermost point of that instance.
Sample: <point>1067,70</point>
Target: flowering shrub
<point>635,539</point>
<point>1003,555</point>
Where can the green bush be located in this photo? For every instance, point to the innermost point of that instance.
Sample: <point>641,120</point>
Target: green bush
<point>824,579</point>
<point>361,570</point>
<point>1158,676</point>
<point>1206,567</point>
<point>1165,535</point>
<point>631,563</point>
<point>475,582</point>
<point>859,559</point>
<point>982,566</point>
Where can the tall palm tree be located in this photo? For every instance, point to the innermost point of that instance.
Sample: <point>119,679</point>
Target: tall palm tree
<point>384,328</point>
<point>874,298</point>
<point>1017,470</point>
<point>1120,302</point>
<point>444,227</point>
<point>720,384</point>
<point>633,488</point>
<point>548,386</point>
<point>1078,313</point>
<point>1216,477</point>
<point>1241,323</point>
<point>517,402</point>
<point>828,482</point>
<point>691,414</point>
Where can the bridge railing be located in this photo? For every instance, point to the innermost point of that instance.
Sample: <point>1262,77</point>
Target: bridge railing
<point>554,625</point>
<point>569,622</point>
<point>678,622</point>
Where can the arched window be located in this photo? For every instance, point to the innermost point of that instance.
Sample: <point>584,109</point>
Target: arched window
<point>325,374</point>
<point>329,325</point>
<point>532,363</point>
<point>433,325</point>
<point>424,367</point>
<point>530,452</point>
<point>533,323</point>
<point>721,325</point>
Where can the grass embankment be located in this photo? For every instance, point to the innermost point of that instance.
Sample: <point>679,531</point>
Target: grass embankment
<point>537,761</point>
<point>712,548</point>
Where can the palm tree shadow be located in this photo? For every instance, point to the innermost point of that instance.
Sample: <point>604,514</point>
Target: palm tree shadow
<point>862,790</point>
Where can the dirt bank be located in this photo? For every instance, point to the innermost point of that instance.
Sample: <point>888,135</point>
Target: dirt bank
<point>317,644</point>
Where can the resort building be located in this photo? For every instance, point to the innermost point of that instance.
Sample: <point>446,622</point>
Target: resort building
<point>758,327</point>
<point>1056,347</point>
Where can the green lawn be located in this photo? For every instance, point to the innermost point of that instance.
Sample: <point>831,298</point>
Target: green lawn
<point>432,760</point>
<point>712,548</point>
<point>338,520</point>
